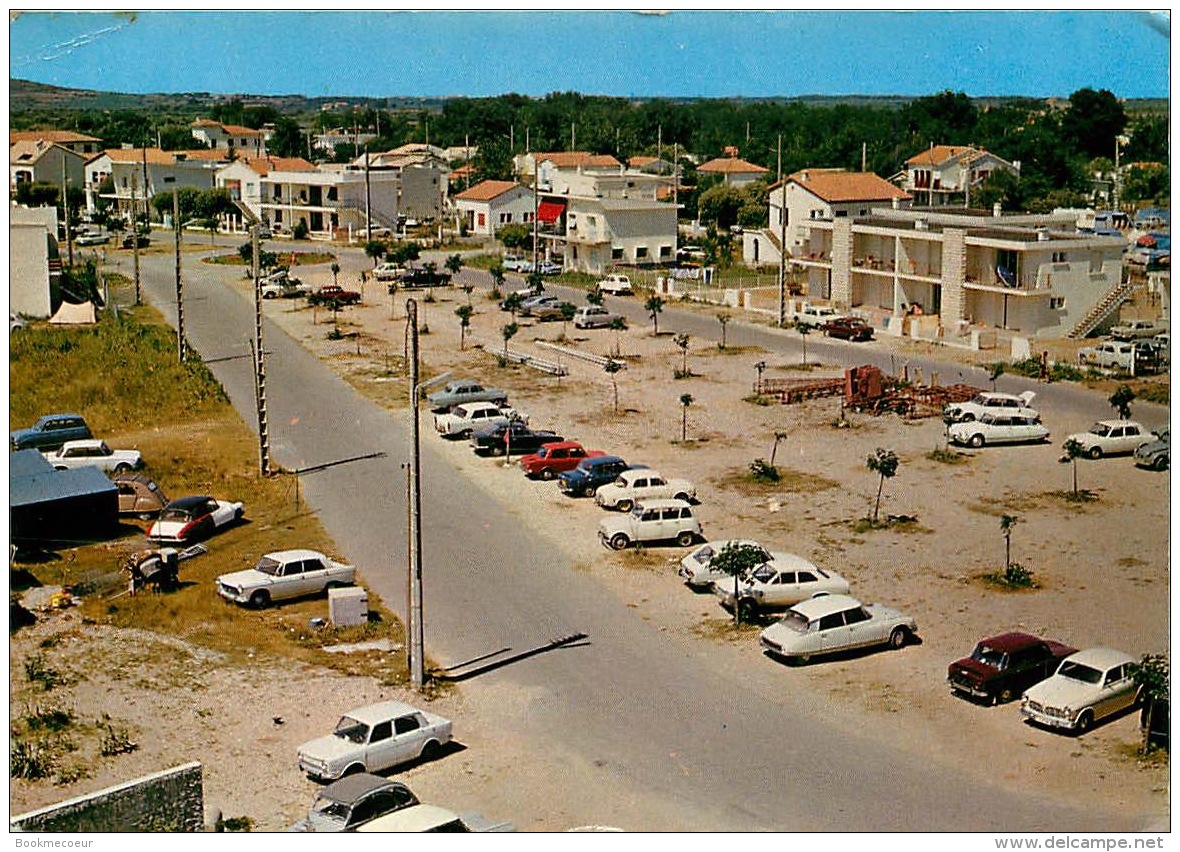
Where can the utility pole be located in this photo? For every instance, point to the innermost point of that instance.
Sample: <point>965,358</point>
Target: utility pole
<point>414,639</point>
<point>782,240</point>
<point>179,281</point>
<point>65,206</point>
<point>135,239</point>
<point>260,357</point>
<point>368,203</point>
<point>536,207</point>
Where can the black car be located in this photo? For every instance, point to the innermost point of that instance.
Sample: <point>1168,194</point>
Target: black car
<point>425,278</point>
<point>590,474</point>
<point>129,241</point>
<point>354,800</point>
<point>1003,667</point>
<point>514,437</point>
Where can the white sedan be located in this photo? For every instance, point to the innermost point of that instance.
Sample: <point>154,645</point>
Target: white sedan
<point>695,568</point>
<point>779,583</point>
<point>374,738</point>
<point>832,623</point>
<point>93,453</point>
<point>998,429</point>
<point>285,574</point>
<point>1088,686</point>
<point>993,402</point>
<point>1111,437</point>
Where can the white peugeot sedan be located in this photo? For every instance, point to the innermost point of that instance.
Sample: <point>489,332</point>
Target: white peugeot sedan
<point>1088,686</point>
<point>695,568</point>
<point>998,428</point>
<point>285,574</point>
<point>993,402</point>
<point>373,738</point>
<point>1111,437</point>
<point>778,583</point>
<point>833,623</point>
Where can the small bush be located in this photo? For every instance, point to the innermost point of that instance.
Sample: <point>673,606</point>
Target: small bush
<point>242,823</point>
<point>37,671</point>
<point>946,456</point>
<point>48,718</point>
<point>30,759</point>
<point>299,232</point>
<point>682,374</point>
<point>763,471</point>
<point>1018,577</point>
<point>115,741</point>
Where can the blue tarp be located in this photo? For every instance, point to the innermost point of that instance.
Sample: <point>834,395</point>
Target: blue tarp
<point>58,505</point>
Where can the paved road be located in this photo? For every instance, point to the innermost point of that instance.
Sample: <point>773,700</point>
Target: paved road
<point>729,752</point>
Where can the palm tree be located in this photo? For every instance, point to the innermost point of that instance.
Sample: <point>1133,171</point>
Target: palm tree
<point>653,306</point>
<point>512,303</point>
<point>1007,522</point>
<point>567,313</point>
<point>884,463</point>
<point>1121,400</point>
<point>994,372</point>
<point>463,312</point>
<point>617,325</point>
<point>804,329</point>
<point>735,560</point>
<point>335,267</point>
<point>593,297</point>
<point>454,263</point>
<point>376,250</point>
<point>685,402</point>
<point>497,272</point>
<point>681,340</point>
<point>508,332</point>
<point>778,436</point>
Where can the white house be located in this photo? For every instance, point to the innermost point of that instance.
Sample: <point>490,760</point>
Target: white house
<point>243,179</point>
<point>550,165</point>
<point>41,161</point>
<point>491,204</point>
<point>734,171</point>
<point>948,174</point>
<point>329,201</point>
<point>144,172</point>
<point>33,260</point>
<point>422,174</point>
<point>246,141</point>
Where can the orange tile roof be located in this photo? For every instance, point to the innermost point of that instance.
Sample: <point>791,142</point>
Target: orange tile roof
<point>205,154</point>
<point>239,130</point>
<point>731,166</point>
<point>268,164</point>
<point>573,159</point>
<point>638,162</point>
<point>137,155</point>
<point>486,190</point>
<point>56,136</point>
<point>939,154</point>
<point>837,186</point>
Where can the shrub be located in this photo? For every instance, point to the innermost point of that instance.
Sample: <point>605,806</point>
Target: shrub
<point>48,718</point>
<point>1017,576</point>
<point>37,671</point>
<point>115,741</point>
<point>763,471</point>
<point>299,232</point>
<point>30,759</point>
<point>242,823</point>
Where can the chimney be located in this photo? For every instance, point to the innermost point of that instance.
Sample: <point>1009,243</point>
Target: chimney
<point>921,225</point>
<point>996,208</point>
<point>803,176</point>
<point>895,202</point>
<point>1043,235</point>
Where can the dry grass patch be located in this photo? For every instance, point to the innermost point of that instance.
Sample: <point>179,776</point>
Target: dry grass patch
<point>724,629</point>
<point>790,481</point>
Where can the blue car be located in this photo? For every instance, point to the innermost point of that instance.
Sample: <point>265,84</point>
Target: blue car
<point>50,432</point>
<point>585,479</point>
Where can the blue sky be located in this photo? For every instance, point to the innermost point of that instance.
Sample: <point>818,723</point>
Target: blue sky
<point>679,53</point>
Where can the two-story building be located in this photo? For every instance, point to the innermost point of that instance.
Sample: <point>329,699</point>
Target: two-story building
<point>948,174</point>
<point>733,171</point>
<point>422,174</point>
<point>243,180</point>
<point>245,141</point>
<point>492,204</point>
<point>141,173</point>
<point>79,143</point>
<point>1030,273</point>
<point>41,161</point>
<point>329,200</point>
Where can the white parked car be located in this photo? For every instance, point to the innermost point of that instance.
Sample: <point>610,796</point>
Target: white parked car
<point>642,484</point>
<point>778,584</point>
<point>814,316</point>
<point>432,818</point>
<point>464,419</point>
<point>695,568</point>
<point>1112,437</point>
<point>833,623</point>
<point>517,263</point>
<point>1088,686</point>
<point>93,453</point>
<point>373,738</point>
<point>618,285</point>
<point>285,574</point>
<point>388,271</point>
<point>1117,354</point>
<point>193,517</point>
<point>994,403</point>
<point>998,428</point>
<point>594,316</point>
<point>280,285</point>
<point>654,520</point>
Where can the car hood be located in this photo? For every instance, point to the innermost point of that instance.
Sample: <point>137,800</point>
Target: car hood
<point>973,670</point>
<point>1153,447</point>
<point>329,748</point>
<point>1062,692</point>
<point>249,577</point>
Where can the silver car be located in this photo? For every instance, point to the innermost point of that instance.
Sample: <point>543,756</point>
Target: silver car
<point>832,623</point>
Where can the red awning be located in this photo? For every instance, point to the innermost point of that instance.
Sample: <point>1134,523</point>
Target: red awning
<point>550,211</point>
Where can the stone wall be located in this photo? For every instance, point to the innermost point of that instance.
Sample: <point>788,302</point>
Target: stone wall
<point>172,800</point>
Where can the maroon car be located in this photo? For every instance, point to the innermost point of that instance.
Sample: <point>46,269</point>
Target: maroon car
<point>1003,667</point>
<point>334,294</point>
<point>847,328</point>
<point>555,458</point>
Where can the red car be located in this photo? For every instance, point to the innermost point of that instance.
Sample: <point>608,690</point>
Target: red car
<point>847,328</point>
<point>1003,667</point>
<point>555,458</point>
<point>331,294</point>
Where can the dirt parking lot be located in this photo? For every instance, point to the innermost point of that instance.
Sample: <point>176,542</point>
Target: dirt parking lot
<point>1100,566</point>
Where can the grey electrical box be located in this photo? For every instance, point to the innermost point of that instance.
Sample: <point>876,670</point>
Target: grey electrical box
<point>348,607</point>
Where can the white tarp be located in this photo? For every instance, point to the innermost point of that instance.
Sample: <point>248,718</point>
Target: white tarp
<point>69,314</point>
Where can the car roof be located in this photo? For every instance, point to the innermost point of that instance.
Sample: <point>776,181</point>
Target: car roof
<point>791,562</point>
<point>293,554</point>
<point>352,787</point>
<point>814,608</point>
<point>84,442</point>
<point>1100,658</point>
<point>662,503</point>
<point>190,502</point>
<point>373,713</point>
<point>647,471</point>
<point>1013,641</point>
<point>57,416</point>
<point>413,818</point>
<point>601,460</point>
<point>1120,423</point>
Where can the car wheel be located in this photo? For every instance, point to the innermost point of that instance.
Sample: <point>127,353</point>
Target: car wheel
<point>497,450</point>
<point>260,599</point>
<point>122,467</point>
<point>1161,463</point>
<point>619,542</point>
<point>747,610</point>
<point>898,637</point>
<point>546,473</point>
<point>1095,452</point>
<point>589,491</point>
<point>431,750</point>
<point>685,539</point>
<point>354,769</point>
<point>1085,721</point>
<point>624,505</point>
<point>976,440</point>
<point>1004,695</point>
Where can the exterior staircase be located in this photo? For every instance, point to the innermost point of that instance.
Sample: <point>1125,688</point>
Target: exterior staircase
<point>1106,306</point>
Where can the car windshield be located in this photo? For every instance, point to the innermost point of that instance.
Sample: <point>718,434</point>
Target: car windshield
<point>988,656</point>
<point>352,730</point>
<point>987,418</point>
<point>764,573</point>
<point>796,621</point>
<point>705,554</point>
<point>637,512</point>
<point>175,515</point>
<point>266,565</point>
<point>329,809</point>
<point>1079,672</point>
<point>1100,430</point>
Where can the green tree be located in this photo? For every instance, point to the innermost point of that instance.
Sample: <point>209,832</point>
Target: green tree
<point>375,250</point>
<point>737,560</point>
<point>1007,522</point>
<point>1092,121</point>
<point>720,206</point>
<point>568,310</point>
<point>594,297</point>
<point>685,401</point>
<point>404,252</point>
<point>516,236</point>
<point>512,303</point>
<point>1073,451</point>
<point>1153,676</point>
<point>611,367</point>
<point>804,329</point>
<point>508,332</point>
<point>335,268</point>
<point>618,325</point>
<point>1147,182</point>
<point>681,341</point>
<point>1121,401</point>
<point>287,139</point>
<point>884,464</point>
<point>995,371</point>
<point>463,312</point>
<point>497,272</point>
<point>654,305</point>
<point>454,263</point>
